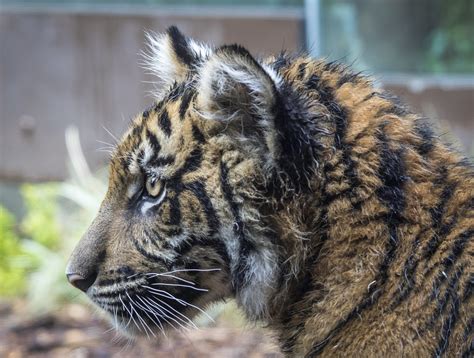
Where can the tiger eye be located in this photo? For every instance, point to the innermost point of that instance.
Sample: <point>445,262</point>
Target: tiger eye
<point>153,187</point>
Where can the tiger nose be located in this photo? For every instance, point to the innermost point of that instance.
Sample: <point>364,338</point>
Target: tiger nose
<point>80,282</point>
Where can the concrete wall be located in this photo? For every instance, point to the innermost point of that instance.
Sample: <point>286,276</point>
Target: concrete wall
<point>59,68</point>
<point>63,67</point>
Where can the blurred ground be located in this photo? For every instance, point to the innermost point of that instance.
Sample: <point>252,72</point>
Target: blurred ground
<point>75,332</point>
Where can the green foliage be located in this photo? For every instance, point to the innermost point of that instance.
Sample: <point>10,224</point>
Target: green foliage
<point>57,215</point>
<point>40,223</point>
<point>36,251</point>
<point>12,274</point>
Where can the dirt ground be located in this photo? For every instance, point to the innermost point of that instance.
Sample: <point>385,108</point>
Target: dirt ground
<point>74,331</point>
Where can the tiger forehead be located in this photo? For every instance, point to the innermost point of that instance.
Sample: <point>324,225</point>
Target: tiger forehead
<point>159,139</point>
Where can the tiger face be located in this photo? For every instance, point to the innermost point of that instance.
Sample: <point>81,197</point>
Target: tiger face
<point>182,224</point>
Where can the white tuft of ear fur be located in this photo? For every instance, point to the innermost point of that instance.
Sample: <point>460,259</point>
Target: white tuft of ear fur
<point>160,60</point>
<point>170,57</point>
<point>273,74</point>
<point>200,50</point>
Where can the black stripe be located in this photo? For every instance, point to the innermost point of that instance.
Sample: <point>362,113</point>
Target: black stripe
<point>164,122</point>
<point>443,301</point>
<point>437,214</point>
<point>153,236</point>
<point>449,320</point>
<point>192,163</point>
<point>447,263</point>
<point>199,190</point>
<point>162,161</point>
<point>150,256</point>
<point>302,70</point>
<point>392,174</point>
<point>425,133</point>
<point>176,91</point>
<point>246,245</point>
<point>155,145</point>
<point>186,98</point>
<point>171,231</point>
<point>180,46</point>
<point>339,116</point>
<point>229,197</point>
<point>136,131</point>
<point>145,114</point>
<point>468,337</point>
<point>338,113</point>
<point>411,264</point>
<point>469,288</point>
<point>174,209</point>
<point>112,281</point>
<point>195,242</point>
<point>280,62</point>
<point>140,157</point>
<point>197,135</point>
<point>407,280</point>
<point>297,136</point>
<point>397,107</point>
<point>108,295</point>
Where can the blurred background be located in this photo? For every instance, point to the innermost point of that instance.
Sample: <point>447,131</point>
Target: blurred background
<point>70,81</point>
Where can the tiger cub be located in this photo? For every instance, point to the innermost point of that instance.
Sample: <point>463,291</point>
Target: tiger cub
<point>317,201</point>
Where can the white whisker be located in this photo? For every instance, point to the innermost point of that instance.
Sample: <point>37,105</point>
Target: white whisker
<point>130,313</point>
<point>111,134</point>
<point>172,276</point>
<point>189,320</point>
<point>166,294</point>
<point>179,285</point>
<point>142,321</point>
<point>146,308</point>
<point>164,315</point>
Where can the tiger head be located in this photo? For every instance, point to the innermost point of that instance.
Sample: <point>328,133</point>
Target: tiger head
<point>187,218</point>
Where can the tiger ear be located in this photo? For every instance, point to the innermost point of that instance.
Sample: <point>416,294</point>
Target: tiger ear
<point>171,56</point>
<point>251,103</point>
<point>235,89</point>
<point>232,83</point>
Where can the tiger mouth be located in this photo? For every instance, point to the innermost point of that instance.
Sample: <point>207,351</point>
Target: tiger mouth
<point>149,303</point>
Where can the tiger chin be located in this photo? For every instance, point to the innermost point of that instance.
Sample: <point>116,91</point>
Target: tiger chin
<point>321,204</point>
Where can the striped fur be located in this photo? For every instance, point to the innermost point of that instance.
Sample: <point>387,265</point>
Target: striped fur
<point>332,212</point>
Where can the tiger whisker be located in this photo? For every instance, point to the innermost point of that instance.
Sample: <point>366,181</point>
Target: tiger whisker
<point>173,271</point>
<point>162,293</point>
<point>110,149</point>
<point>143,323</point>
<point>165,316</point>
<point>130,313</point>
<point>179,313</point>
<point>152,275</point>
<point>111,145</point>
<point>111,134</point>
<point>168,295</point>
<point>179,285</point>
<point>179,320</point>
<point>146,308</point>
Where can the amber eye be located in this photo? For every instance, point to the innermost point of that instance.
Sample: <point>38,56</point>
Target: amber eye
<point>153,187</point>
